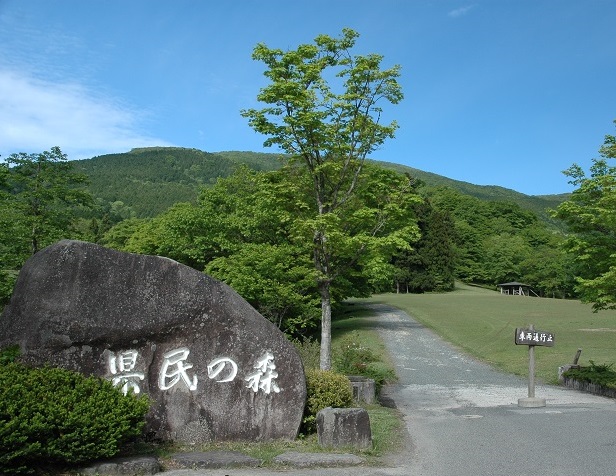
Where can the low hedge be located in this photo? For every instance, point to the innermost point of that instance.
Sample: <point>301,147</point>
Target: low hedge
<point>324,388</point>
<point>598,374</point>
<point>51,416</point>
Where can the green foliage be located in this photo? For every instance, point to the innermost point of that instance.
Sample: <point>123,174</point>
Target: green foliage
<point>430,265</point>
<point>44,191</point>
<point>322,107</point>
<point>7,282</point>
<point>325,388</point>
<point>9,354</point>
<point>352,357</point>
<point>254,231</point>
<point>590,214</point>
<point>599,374</point>
<point>308,350</point>
<point>277,280</point>
<point>540,205</point>
<point>53,416</point>
<point>150,180</point>
<point>496,242</point>
<point>40,196</point>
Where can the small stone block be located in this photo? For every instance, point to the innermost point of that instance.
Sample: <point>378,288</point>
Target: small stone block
<point>344,427</point>
<point>364,388</point>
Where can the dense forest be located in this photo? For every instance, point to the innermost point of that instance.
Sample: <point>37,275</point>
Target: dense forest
<point>145,182</point>
<point>240,216</point>
<point>150,180</point>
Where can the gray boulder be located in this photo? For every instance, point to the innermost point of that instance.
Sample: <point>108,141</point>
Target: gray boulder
<point>215,369</point>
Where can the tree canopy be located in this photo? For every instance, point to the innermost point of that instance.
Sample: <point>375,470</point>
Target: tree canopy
<point>323,109</point>
<point>40,195</point>
<point>590,214</point>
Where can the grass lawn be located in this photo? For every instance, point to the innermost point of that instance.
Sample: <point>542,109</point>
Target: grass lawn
<point>483,322</point>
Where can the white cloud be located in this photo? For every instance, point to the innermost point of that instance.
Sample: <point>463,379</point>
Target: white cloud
<point>36,115</point>
<point>458,12</point>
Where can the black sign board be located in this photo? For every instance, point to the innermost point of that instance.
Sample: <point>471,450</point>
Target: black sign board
<point>533,337</point>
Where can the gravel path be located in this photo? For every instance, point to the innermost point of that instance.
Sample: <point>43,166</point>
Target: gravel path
<point>463,419</point>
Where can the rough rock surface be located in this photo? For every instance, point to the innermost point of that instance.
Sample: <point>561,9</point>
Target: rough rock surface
<point>214,368</point>
<point>344,427</point>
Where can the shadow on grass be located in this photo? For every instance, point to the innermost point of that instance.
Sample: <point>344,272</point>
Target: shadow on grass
<point>356,316</point>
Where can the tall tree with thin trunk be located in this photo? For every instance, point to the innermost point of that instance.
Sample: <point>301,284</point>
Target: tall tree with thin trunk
<point>323,108</point>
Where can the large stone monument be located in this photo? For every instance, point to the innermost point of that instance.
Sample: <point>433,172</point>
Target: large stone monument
<point>214,368</point>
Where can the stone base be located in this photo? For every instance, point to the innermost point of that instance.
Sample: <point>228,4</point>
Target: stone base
<point>344,427</point>
<point>531,402</point>
<point>364,388</point>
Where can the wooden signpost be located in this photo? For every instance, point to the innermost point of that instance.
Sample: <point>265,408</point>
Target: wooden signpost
<point>531,337</point>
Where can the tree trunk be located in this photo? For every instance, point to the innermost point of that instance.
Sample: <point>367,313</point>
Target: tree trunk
<point>326,326</point>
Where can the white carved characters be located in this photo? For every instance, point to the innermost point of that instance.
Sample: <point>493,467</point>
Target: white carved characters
<point>216,366</point>
<point>265,375</point>
<point>122,366</point>
<point>175,366</point>
<point>174,359</point>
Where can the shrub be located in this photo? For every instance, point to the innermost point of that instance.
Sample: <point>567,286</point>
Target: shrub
<point>353,358</point>
<point>52,416</point>
<point>599,374</point>
<point>9,354</point>
<point>325,388</point>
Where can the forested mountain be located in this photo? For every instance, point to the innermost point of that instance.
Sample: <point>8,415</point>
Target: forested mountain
<point>539,204</point>
<point>150,180</point>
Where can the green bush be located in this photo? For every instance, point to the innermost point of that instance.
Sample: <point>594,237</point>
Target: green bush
<point>52,416</point>
<point>9,354</point>
<point>325,388</point>
<point>353,358</point>
<point>599,374</point>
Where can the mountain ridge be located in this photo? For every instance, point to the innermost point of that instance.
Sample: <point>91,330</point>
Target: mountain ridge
<point>151,179</point>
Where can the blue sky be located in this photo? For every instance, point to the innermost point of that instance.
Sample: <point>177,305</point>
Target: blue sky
<point>497,92</point>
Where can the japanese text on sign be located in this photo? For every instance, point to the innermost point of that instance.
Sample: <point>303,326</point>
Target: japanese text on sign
<point>175,370</point>
<point>533,337</point>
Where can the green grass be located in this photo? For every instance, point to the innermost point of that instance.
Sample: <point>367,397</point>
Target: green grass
<point>482,322</point>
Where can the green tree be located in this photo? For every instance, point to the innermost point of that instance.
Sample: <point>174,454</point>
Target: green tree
<point>430,266</point>
<point>330,133</point>
<point>40,195</point>
<point>590,214</point>
<point>45,192</point>
<point>253,229</point>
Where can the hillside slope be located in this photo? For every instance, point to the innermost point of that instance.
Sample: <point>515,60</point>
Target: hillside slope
<point>150,180</point>
<point>540,204</point>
